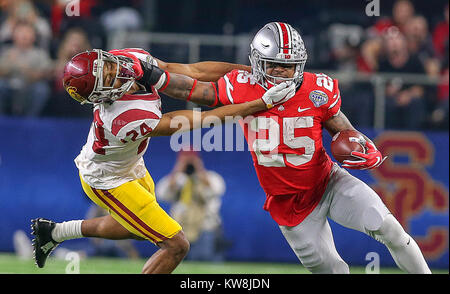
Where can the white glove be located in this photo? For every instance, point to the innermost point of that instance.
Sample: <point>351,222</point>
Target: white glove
<point>279,94</point>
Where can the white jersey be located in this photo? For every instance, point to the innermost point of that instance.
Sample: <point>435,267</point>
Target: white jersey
<point>117,140</point>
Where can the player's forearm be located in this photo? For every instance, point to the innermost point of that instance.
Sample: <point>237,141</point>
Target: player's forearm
<point>199,119</point>
<point>205,71</point>
<point>212,71</point>
<point>338,123</point>
<point>234,110</point>
<point>185,88</point>
<point>179,86</point>
<point>187,120</point>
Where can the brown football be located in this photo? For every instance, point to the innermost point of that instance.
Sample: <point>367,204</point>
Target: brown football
<point>344,142</point>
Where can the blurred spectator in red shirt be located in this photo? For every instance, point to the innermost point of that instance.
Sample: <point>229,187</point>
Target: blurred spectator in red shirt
<point>402,12</point>
<point>440,35</point>
<point>440,114</point>
<point>371,49</point>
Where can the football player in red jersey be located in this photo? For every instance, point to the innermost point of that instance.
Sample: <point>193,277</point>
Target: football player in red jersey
<point>303,186</point>
<point>111,168</point>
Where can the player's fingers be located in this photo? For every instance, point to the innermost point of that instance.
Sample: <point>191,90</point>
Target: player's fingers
<point>354,162</point>
<point>378,162</point>
<point>279,87</point>
<point>291,91</point>
<point>370,147</point>
<point>359,155</point>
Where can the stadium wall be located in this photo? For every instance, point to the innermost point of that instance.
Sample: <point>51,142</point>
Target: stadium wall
<point>39,179</point>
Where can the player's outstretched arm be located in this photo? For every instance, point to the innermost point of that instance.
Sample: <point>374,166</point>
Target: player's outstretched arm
<point>179,86</point>
<point>186,120</point>
<point>205,71</point>
<point>205,93</point>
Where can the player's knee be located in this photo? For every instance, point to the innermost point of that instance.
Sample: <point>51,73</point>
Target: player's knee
<point>373,219</point>
<point>391,232</point>
<point>178,246</point>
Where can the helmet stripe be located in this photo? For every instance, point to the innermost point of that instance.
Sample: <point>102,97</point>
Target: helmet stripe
<point>285,38</point>
<point>291,42</point>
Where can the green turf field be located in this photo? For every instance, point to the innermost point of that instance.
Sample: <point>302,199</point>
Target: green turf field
<point>10,264</point>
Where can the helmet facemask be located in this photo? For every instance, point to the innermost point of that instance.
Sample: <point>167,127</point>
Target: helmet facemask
<point>259,69</point>
<point>102,93</point>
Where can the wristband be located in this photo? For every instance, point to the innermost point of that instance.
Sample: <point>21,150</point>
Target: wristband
<point>217,97</point>
<point>167,82</point>
<point>192,90</point>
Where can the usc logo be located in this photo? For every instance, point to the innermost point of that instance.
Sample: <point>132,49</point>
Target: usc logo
<point>409,191</point>
<point>73,93</point>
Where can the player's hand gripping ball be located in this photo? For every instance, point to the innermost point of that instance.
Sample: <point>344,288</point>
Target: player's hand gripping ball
<point>353,151</point>
<point>345,142</point>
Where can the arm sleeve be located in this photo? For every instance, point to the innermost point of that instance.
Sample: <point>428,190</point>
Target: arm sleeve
<point>237,87</point>
<point>226,89</point>
<point>334,103</point>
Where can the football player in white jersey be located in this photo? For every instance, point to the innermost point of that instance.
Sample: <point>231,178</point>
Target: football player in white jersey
<point>127,112</point>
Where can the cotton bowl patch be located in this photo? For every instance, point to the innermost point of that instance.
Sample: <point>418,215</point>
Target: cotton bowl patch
<point>318,98</point>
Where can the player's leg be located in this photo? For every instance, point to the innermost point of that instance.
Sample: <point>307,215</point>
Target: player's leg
<point>134,213</point>
<point>312,241</point>
<point>134,206</point>
<point>355,205</point>
<point>165,260</point>
<point>172,250</point>
<point>105,227</point>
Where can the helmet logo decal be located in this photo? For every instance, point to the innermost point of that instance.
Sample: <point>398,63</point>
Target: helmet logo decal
<point>73,93</point>
<point>96,67</point>
<point>284,56</point>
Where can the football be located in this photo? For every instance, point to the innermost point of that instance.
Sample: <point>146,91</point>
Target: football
<point>344,142</point>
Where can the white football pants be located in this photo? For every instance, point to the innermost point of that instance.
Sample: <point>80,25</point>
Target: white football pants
<point>353,204</point>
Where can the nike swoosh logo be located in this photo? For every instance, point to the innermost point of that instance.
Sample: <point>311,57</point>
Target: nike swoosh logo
<point>265,45</point>
<point>303,109</point>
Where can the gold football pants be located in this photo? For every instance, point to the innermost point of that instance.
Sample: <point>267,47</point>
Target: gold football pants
<point>134,206</point>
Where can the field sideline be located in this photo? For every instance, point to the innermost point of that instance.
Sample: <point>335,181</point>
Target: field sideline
<point>11,264</point>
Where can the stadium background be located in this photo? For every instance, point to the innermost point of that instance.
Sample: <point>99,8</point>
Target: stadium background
<point>38,177</point>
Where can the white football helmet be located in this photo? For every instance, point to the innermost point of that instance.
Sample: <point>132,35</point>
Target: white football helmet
<point>277,42</point>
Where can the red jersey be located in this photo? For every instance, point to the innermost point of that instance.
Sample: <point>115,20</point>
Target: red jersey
<point>286,142</point>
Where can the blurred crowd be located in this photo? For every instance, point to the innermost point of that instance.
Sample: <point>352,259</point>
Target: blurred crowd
<point>402,43</point>
<point>38,37</point>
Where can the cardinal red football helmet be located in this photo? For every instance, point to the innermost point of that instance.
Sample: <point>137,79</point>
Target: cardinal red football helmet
<point>83,77</point>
